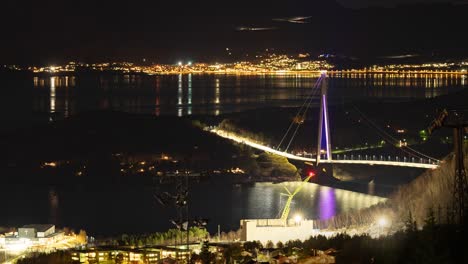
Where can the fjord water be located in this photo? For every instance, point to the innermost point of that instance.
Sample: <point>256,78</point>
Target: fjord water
<point>116,208</point>
<point>194,94</point>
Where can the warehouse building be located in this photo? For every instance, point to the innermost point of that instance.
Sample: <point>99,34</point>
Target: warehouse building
<point>276,230</point>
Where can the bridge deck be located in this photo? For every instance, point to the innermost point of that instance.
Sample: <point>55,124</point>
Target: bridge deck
<point>252,144</point>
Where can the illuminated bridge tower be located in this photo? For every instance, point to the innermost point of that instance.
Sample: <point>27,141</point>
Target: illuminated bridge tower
<point>324,147</point>
<point>324,141</point>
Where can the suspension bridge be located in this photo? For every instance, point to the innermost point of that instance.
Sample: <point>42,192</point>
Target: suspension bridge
<point>412,159</point>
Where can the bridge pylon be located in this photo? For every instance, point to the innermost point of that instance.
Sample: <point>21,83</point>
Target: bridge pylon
<point>324,147</point>
<point>324,139</point>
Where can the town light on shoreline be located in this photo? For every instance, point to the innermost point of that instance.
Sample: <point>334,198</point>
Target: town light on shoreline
<point>278,64</point>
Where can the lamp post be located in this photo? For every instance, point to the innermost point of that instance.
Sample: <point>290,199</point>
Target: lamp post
<point>297,219</point>
<point>382,223</point>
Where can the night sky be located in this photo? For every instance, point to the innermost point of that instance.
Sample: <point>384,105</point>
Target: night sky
<point>54,31</point>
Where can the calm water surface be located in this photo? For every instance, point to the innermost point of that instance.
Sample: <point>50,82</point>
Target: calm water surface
<point>114,209</point>
<point>182,95</point>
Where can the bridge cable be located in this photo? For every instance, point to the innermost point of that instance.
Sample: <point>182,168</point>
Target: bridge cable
<point>309,97</point>
<point>301,113</point>
<point>387,136</point>
<point>298,113</point>
<point>393,140</point>
<point>313,94</point>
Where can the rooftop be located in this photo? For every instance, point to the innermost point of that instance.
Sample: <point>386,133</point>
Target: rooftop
<point>39,227</point>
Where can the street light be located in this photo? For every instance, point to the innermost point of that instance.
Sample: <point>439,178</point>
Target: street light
<point>297,219</point>
<point>382,224</point>
<point>382,221</point>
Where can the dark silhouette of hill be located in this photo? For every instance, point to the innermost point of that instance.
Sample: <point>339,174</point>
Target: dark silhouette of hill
<point>431,191</point>
<point>98,136</point>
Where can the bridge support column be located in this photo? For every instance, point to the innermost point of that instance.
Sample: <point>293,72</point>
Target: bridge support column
<point>324,147</point>
<point>325,173</point>
<point>324,140</point>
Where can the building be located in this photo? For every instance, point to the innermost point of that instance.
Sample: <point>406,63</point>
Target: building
<point>276,230</point>
<point>131,255</point>
<point>321,257</point>
<point>36,231</point>
<point>30,235</point>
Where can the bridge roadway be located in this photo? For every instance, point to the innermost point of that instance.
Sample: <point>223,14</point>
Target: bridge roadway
<point>252,144</point>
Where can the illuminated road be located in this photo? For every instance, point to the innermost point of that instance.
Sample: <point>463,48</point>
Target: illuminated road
<point>259,146</point>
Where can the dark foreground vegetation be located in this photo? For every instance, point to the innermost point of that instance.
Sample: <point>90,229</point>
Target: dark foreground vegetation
<point>167,238</point>
<point>434,243</point>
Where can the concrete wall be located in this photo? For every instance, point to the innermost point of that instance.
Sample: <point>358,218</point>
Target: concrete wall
<point>46,233</point>
<point>275,230</point>
<point>26,232</point>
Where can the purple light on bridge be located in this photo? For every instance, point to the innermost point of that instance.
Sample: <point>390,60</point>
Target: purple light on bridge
<point>325,117</point>
<point>327,203</point>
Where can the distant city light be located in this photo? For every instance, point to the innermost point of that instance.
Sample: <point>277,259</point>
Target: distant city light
<point>50,164</point>
<point>270,63</point>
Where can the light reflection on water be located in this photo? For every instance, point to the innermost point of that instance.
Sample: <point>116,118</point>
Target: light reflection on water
<point>217,94</point>
<point>116,209</point>
<point>52,94</point>
<point>189,95</point>
<point>266,200</point>
<point>327,203</point>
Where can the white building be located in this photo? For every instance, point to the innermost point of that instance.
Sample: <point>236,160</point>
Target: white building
<point>276,230</point>
<point>36,231</point>
<point>29,235</point>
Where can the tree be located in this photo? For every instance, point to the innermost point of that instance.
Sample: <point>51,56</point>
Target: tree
<point>439,215</point>
<point>430,221</point>
<point>140,243</point>
<point>125,239</point>
<point>410,223</point>
<point>280,245</point>
<point>195,258</point>
<point>233,252</point>
<point>205,254</point>
<point>252,246</point>
<point>269,244</point>
<point>119,259</point>
<point>81,237</point>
